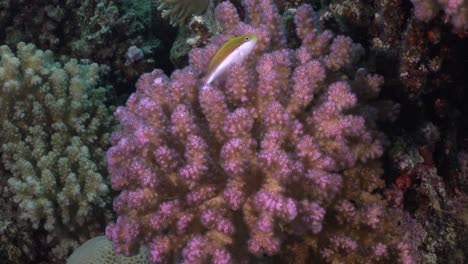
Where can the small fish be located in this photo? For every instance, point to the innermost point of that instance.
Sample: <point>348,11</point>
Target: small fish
<point>233,51</point>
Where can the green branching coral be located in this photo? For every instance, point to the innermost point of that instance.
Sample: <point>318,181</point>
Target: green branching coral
<point>179,11</point>
<point>55,130</point>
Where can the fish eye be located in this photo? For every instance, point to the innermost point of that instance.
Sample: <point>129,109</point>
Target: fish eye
<point>246,38</point>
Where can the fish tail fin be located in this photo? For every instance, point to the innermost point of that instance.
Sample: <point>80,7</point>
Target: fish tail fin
<point>203,83</point>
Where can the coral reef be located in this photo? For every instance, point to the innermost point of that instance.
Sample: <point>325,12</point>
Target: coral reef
<point>101,31</point>
<point>180,11</point>
<point>19,242</point>
<point>437,201</point>
<point>455,10</point>
<point>279,160</point>
<point>415,57</point>
<point>55,130</point>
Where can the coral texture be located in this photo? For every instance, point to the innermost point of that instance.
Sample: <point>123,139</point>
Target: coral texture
<point>179,11</point>
<point>18,242</point>
<point>196,34</point>
<point>55,130</point>
<point>278,159</point>
<point>455,10</point>
<point>99,250</point>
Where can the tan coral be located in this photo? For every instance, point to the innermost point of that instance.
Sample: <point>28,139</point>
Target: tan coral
<point>55,129</point>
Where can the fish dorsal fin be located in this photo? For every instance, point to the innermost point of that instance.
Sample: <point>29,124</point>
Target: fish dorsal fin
<point>227,48</point>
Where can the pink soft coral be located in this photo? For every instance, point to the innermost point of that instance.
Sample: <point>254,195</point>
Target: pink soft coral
<point>258,160</point>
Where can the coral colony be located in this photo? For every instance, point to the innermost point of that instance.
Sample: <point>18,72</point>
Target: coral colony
<point>280,154</point>
<point>55,130</point>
